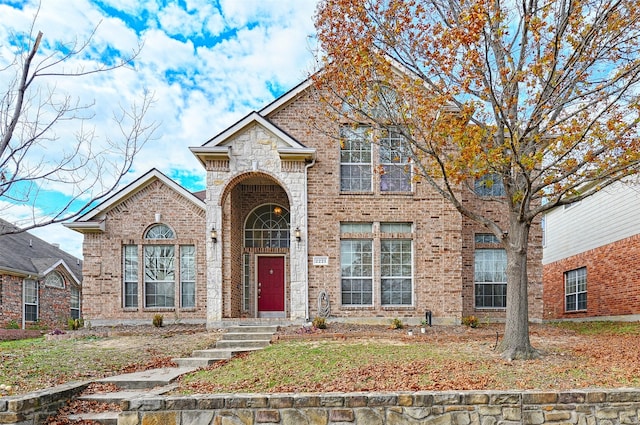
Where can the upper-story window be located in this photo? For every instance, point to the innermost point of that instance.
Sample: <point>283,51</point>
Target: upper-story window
<point>489,185</point>
<point>359,155</point>
<point>395,163</point>
<point>159,231</point>
<point>267,227</point>
<point>54,280</point>
<point>355,160</point>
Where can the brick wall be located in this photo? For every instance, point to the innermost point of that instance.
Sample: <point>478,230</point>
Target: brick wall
<point>126,224</point>
<point>54,304</point>
<point>613,281</point>
<point>442,239</point>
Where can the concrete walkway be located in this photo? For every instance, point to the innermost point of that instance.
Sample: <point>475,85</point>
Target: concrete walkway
<point>150,383</point>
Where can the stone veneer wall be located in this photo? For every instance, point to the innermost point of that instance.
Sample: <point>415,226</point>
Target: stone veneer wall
<point>581,407</point>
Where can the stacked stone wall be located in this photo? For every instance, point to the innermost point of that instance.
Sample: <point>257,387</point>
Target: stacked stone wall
<point>588,407</point>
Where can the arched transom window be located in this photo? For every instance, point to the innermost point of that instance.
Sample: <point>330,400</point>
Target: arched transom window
<point>267,227</point>
<point>159,231</point>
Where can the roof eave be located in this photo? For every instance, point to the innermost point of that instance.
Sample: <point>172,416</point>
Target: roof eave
<point>86,226</point>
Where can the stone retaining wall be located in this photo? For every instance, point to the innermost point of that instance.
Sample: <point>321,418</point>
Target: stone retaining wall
<point>35,407</point>
<point>584,407</point>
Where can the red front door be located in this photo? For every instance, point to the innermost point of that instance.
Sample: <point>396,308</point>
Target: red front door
<point>271,284</point>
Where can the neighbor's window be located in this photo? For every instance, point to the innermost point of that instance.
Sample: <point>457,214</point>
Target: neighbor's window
<point>54,280</point>
<point>75,303</point>
<point>356,265</point>
<point>489,185</point>
<point>575,289</point>
<point>355,160</point>
<point>490,278</point>
<point>30,296</point>
<point>396,272</point>
<point>188,276</point>
<point>130,275</point>
<point>394,161</point>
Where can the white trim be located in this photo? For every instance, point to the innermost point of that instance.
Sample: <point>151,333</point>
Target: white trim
<point>286,98</point>
<point>66,267</point>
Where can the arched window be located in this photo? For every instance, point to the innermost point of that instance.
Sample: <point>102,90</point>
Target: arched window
<point>54,280</point>
<point>159,231</point>
<point>267,227</point>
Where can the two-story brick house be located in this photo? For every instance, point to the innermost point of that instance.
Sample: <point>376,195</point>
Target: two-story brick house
<point>293,223</point>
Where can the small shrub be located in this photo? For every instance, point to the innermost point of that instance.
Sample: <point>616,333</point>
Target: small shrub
<point>37,326</point>
<point>74,324</point>
<point>157,320</point>
<point>12,325</point>
<point>320,323</point>
<point>57,332</point>
<point>471,321</point>
<point>397,324</point>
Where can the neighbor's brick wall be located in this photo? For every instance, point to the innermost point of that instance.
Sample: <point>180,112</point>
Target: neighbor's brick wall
<point>11,307</point>
<point>613,281</point>
<point>54,304</point>
<point>126,224</point>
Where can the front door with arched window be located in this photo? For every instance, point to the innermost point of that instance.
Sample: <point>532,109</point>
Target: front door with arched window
<point>267,235</point>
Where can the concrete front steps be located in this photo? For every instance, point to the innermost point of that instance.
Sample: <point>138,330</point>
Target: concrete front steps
<point>236,339</point>
<point>150,383</point>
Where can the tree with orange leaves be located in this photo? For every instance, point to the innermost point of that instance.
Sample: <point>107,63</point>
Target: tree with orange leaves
<point>539,97</point>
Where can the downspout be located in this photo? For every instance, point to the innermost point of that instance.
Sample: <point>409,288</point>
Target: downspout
<point>306,239</point>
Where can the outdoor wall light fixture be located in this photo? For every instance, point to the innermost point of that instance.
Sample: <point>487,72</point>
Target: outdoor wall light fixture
<point>214,235</point>
<point>297,234</point>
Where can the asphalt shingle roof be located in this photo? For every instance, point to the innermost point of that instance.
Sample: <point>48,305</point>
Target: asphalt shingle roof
<point>24,252</point>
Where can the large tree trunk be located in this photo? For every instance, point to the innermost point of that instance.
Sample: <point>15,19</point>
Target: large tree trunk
<point>516,344</point>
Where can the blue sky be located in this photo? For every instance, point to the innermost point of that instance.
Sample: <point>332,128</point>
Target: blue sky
<point>208,63</point>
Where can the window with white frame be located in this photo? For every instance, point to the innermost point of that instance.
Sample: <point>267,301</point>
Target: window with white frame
<point>54,280</point>
<point>489,274</point>
<point>187,276</point>
<point>267,227</point>
<point>30,297</point>
<point>395,163</point>
<point>489,185</point>
<point>356,170</point>
<point>159,276</point>
<point>575,289</point>
<point>356,264</point>
<point>359,262</point>
<point>130,276</point>
<point>75,302</point>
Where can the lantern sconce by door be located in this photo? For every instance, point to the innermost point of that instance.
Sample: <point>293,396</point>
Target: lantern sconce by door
<point>214,235</point>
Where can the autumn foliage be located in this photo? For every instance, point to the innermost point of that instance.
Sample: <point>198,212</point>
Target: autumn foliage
<point>541,95</point>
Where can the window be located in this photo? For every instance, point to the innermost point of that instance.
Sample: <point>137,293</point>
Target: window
<point>30,296</point>
<point>130,275</point>
<point>490,278</point>
<point>575,289</point>
<point>489,185</point>
<point>396,271</point>
<point>354,227</point>
<point>355,160</point>
<point>396,171</point>
<point>486,238</point>
<point>54,280</point>
<point>159,276</point>
<point>75,303</point>
<point>246,282</point>
<point>159,231</point>
<point>187,276</point>
<point>267,227</point>
<point>356,264</point>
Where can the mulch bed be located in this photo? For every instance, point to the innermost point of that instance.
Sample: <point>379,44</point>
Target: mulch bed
<point>13,334</point>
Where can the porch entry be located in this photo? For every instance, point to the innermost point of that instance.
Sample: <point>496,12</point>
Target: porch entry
<point>271,286</point>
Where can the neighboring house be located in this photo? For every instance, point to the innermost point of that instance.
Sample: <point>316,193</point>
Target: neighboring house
<point>592,257</point>
<point>295,223</point>
<point>39,282</point>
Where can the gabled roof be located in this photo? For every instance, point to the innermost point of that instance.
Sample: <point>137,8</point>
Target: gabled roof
<point>215,149</point>
<point>24,254</point>
<point>93,220</point>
